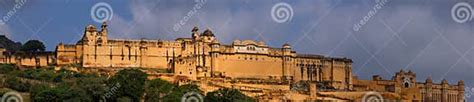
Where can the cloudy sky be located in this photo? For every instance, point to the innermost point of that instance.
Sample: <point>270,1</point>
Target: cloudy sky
<point>417,35</point>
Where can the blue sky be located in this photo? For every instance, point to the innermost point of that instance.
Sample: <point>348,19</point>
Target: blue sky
<point>417,35</point>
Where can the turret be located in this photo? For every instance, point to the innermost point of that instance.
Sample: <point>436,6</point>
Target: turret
<point>461,91</point>
<point>410,72</point>
<point>444,90</point>
<point>214,56</point>
<point>444,82</point>
<point>104,28</point>
<point>286,49</point>
<point>207,36</point>
<point>90,35</point>
<point>215,45</point>
<point>429,87</point>
<point>102,38</point>
<point>195,33</point>
<point>429,80</point>
<point>91,28</point>
<point>401,71</point>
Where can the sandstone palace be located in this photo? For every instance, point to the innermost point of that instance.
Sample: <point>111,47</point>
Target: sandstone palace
<point>259,70</point>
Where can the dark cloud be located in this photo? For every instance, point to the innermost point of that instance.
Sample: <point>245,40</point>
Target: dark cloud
<point>325,27</point>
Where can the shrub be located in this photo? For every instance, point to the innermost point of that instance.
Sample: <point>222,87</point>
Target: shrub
<point>16,84</point>
<point>227,95</point>
<point>62,93</point>
<point>6,68</point>
<point>157,89</point>
<point>130,83</point>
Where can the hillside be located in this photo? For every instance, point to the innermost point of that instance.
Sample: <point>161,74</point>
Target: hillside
<point>9,44</point>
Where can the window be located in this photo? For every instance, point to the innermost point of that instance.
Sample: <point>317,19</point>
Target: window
<point>110,53</point>
<point>407,85</point>
<point>129,53</point>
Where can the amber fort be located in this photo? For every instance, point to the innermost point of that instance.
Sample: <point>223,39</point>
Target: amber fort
<point>268,73</point>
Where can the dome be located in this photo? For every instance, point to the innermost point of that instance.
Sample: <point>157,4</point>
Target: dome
<point>195,29</point>
<point>207,32</point>
<point>461,82</point>
<point>429,80</point>
<point>401,71</point>
<point>236,42</point>
<point>444,81</point>
<point>215,41</point>
<point>261,43</point>
<point>249,42</point>
<point>104,24</point>
<point>90,28</point>
<point>286,45</point>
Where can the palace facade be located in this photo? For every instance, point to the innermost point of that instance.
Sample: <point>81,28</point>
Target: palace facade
<point>261,71</point>
<point>203,55</point>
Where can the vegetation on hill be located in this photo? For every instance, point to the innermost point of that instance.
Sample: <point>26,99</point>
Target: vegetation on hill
<point>9,44</point>
<point>128,85</point>
<point>227,95</point>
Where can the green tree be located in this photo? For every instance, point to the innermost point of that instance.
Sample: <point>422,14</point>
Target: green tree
<point>157,89</point>
<point>178,93</point>
<point>63,92</point>
<point>227,95</point>
<point>127,82</point>
<point>6,68</point>
<point>75,94</point>
<point>37,88</point>
<point>48,95</point>
<point>95,87</point>
<point>33,46</point>
<point>39,74</point>
<point>16,84</point>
